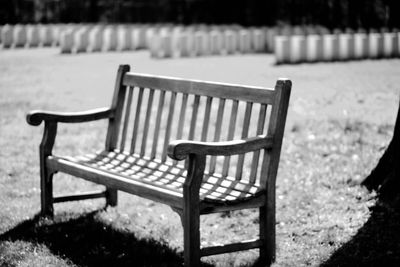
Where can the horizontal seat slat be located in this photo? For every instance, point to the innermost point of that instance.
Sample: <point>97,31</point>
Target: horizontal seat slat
<point>202,88</point>
<point>117,181</point>
<point>170,177</point>
<point>154,164</point>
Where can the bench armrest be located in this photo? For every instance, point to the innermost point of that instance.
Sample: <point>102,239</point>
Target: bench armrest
<point>180,149</point>
<point>36,117</point>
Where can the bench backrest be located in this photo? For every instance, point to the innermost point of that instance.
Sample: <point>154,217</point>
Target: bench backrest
<point>150,111</point>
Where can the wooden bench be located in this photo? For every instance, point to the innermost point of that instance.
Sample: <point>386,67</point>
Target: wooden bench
<point>229,139</point>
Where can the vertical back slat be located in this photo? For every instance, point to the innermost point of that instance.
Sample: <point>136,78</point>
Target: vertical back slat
<point>245,131</point>
<point>147,122</point>
<point>169,124</point>
<point>231,132</point>
<point>182,116</point>
<point>157,126</point>
<point>193,121</point>
<point>206,120</point>
<point>116,105</point>
<point>137,120</point>
<point>126,119</point>
<point>217,133</point>
<point>256,154</point>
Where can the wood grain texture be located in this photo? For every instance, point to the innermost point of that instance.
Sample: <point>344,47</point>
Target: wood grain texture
<point>114,124</point>
<point>203,88</point>
<point>158,123</point>
<point>169,125</point>
<point>147,122</point>
<point>256,154</point>
<point>231,132</point>
<point>182,115</point>
<point>36,117</point>
<point>137,120</point>
<point>115,181</point>
<point>189,190</point>
<point>46,174</point>
<point>245,132</point>
<point>126,119</point>
<point>193,120</point>
<point>180,149</point>
<point>270,169</point>
<point>191,210</point>
<point>206,120</point>
<point>217,133</point>
<point>117,105</point>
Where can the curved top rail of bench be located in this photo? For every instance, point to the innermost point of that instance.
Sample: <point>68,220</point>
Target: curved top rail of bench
<point>255,94</point>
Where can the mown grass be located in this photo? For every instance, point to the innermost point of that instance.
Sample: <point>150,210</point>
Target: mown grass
<point>323,215</point>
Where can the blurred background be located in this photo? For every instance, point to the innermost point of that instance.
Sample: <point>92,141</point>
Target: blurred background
<point>329,13</point>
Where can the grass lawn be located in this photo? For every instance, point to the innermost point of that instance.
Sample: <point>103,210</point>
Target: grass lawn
<point>340,120</point>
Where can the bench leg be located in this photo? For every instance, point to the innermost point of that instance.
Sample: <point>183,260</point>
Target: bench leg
<point>111,197</point>
<point>191,237</point>
<point>267,233</point>
<point>46,175</point>
<point>46,193</point>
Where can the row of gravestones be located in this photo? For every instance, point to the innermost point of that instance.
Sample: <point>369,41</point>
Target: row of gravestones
<point>290,44</point>
<point>105,38</point>
<point>71,38</point>
<point>221,40</point>
<point>31,35</point>
<point>336,47</point>
<point>203,41</point>
<point>161,40</point>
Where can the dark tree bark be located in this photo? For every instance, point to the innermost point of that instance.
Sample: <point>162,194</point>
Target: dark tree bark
<point>385,177</point>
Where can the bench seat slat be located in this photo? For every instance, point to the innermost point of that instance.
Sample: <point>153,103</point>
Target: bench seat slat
<point>215,188</point>
<point>128,160</point>
<point>135,162</point>
<point>203,88</point>
<point>116,180</point>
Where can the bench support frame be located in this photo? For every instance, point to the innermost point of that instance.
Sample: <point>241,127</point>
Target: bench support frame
<point>196,152</point>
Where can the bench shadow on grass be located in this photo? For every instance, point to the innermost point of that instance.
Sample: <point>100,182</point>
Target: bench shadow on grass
<point>88,242</point>
<point>377,242</point>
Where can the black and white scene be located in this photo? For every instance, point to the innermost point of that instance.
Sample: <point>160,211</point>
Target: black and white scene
<point>192,133</point>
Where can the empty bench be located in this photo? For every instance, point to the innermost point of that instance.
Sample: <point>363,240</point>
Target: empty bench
<point>199,147</point>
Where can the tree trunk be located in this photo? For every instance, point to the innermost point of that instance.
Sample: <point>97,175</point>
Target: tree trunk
<point>385,177</point>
